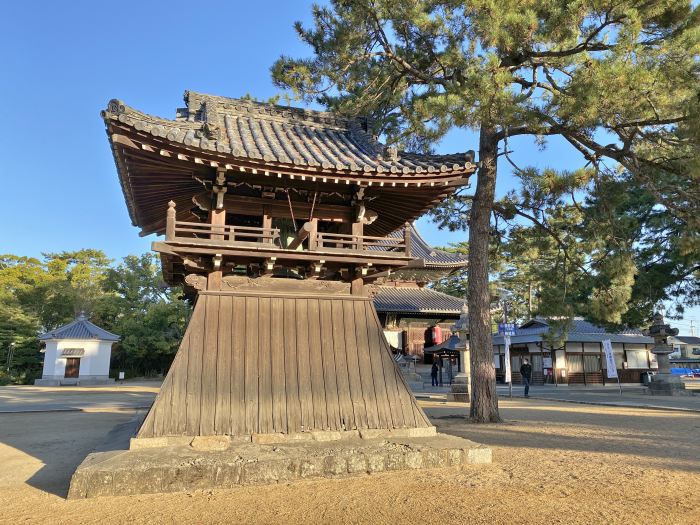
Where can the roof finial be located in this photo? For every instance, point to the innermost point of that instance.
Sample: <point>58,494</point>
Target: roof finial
<point>82,316</point>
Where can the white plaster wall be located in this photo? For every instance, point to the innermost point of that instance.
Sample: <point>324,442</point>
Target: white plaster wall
<point>50,361</point>
<point>94,362</point>
<point>574,347</point>
<point>591,348</point>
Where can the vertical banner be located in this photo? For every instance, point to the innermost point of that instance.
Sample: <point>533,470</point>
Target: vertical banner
<point>506,341</point>
<point>609,359</point>
<point>610,362</point>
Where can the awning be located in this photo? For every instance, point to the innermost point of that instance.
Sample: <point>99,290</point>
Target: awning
<point>452,345</point>
<point>73,352</point>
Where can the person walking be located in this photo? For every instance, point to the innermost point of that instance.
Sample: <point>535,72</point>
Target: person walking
<point>526,373</point>
<point>434,373</point>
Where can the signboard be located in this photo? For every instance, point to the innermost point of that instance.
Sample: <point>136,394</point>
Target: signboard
<point>121,376</point>
<point>506,340</point>
<point>609,359</point>
<point>497,361</point>
<point>546,362</point>
<point>506,329</point>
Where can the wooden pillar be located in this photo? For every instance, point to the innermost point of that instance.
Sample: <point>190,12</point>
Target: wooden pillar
<point>407,238</point>
<point>217,219</point>
<point>267,225</point>
<point>357,286</point>
<point>313,234</point>
<point>358,231</point>
<point>170,222</point>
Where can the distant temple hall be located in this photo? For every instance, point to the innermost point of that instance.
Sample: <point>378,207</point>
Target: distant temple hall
<point>284,224</point>
<point>408,309</point>
<point>580,360</point>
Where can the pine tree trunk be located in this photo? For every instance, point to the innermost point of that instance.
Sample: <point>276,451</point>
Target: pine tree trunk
<point>484,398</point>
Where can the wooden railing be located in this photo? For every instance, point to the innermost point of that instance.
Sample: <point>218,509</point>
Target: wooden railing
<point>224,234</point>
<point>308,237</point>
<point>360,243</point>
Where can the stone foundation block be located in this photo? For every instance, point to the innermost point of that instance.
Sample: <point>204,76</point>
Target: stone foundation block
<point>184,468</point>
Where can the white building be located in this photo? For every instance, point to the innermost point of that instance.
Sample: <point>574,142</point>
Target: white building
<point>76,353</point>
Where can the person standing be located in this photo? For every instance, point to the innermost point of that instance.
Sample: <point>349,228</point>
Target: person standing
<point>526,373</point>
<point>434,373</point>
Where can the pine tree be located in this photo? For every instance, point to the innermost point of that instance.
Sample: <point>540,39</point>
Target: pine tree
<point>615,80</point>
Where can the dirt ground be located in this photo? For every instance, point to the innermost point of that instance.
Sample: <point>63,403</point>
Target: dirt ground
<point>553,463</point>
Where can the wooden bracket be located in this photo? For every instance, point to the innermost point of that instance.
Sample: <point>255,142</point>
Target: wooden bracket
<point>269,265</point>
<point>220,176</point>
<point>314,270</point>
<point>362,270</point>
<point>194,263</point>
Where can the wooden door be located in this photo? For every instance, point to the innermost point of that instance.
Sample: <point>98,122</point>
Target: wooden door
<point>72,367</point>
<point>537,370</point>
<point>591,365</point>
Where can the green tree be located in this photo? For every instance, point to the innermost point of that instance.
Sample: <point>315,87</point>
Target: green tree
<point>149,315</point>
<point>613,79</point>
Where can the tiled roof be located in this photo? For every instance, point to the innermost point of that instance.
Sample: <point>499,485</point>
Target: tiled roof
<point>415,300</point>
<point>580,331</point>
<point>290,136</point>
<point>81,328</point>
<point>432,257</point>
<point>688,339</point>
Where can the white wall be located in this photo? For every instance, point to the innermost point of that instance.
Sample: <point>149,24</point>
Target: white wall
<point>94,362</point>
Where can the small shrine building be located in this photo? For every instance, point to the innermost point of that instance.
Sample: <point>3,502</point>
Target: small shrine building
<point>76,353</point>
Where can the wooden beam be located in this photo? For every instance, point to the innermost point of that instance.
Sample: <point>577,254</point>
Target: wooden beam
<point>302,234</point>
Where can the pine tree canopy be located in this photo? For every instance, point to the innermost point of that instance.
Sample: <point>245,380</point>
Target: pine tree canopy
<point>617,80</point>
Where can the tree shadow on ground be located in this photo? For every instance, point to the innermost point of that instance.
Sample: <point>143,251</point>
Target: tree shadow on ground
<point>672,438</point>
<point>61,441</point>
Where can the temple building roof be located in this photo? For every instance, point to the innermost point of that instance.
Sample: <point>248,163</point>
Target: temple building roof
<point>416,301</point>
<point>267,145</point>
<point>81,328</point>
<point>433,257</point>
<point>271,133</point>
<point>580,331</point>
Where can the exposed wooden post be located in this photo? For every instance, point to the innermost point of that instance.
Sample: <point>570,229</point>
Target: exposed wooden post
<point>170,222</point>
<point>357,232</point>
<point>217,219</point>
<point>313,232</point>
<point>407,238</point>
<point>267,225</point>
<point>357,286</point>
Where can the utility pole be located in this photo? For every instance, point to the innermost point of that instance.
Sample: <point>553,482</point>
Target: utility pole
<point>692,327</point>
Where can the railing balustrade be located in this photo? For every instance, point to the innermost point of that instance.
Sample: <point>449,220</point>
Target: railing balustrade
<point>200,232</point>
<point>362,243</point>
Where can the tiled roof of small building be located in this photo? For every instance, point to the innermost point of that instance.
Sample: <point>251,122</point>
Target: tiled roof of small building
<point>81,328</point>
<point>580,331</point>
<point>284,135</point>
<point>688,339</point>
<point>392,299</point>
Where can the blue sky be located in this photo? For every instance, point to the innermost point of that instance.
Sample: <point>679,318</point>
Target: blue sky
<point>61,62</point>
